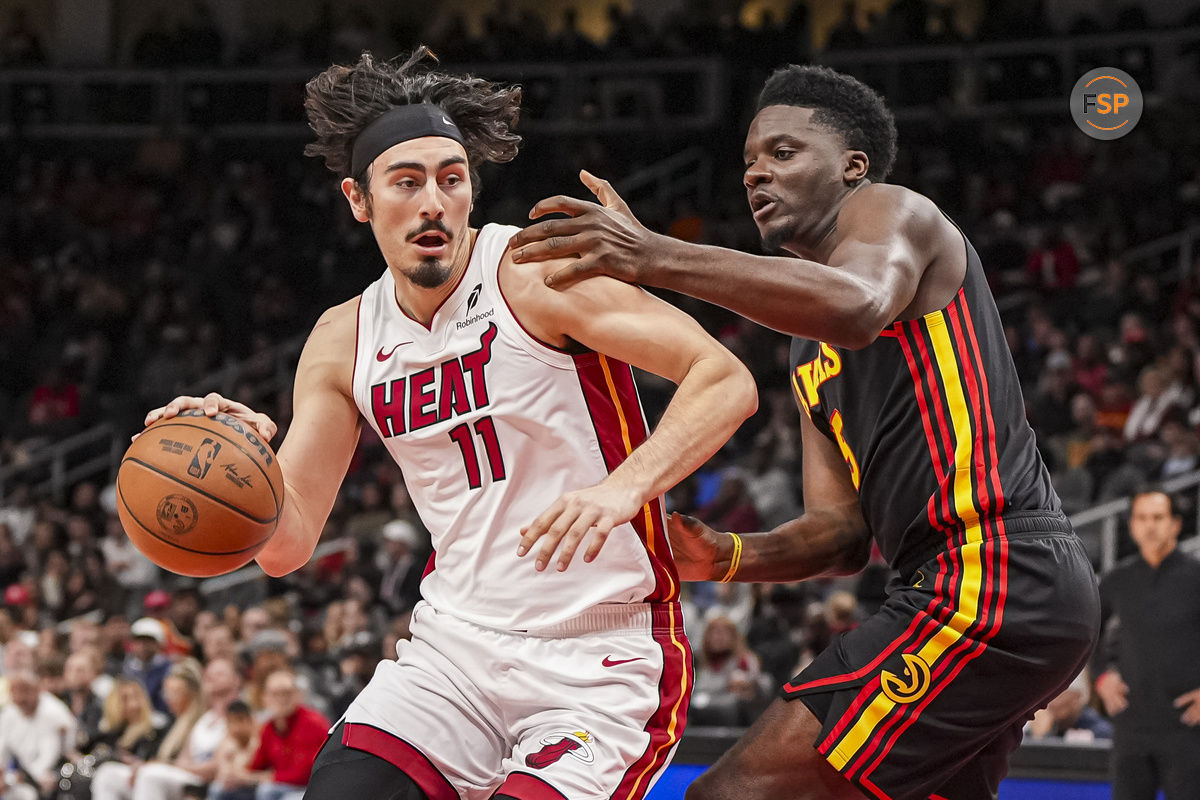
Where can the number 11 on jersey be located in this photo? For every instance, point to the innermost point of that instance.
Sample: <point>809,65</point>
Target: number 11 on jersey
<point>485,429</point>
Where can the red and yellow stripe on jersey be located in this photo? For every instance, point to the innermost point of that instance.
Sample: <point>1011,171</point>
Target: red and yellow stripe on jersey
<point>949,385</point>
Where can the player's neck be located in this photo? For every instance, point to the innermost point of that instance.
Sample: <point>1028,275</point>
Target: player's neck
<point>420,303</point>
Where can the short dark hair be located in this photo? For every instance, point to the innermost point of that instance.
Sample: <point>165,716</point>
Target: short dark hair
<point>1172,501</point>
<point>239,707</point>
<point>343,100</point>
<point>842,103</point>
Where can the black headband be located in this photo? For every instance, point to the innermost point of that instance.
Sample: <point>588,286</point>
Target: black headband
<point>397,125</point>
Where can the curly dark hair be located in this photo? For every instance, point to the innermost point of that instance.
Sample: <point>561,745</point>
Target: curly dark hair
<point>842,103</point>
<point>343,100</point>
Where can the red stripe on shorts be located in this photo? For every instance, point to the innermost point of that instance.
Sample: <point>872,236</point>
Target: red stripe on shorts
<point>402,755</point>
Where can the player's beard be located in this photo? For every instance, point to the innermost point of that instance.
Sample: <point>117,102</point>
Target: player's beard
<point>772,240</point>
<point>429,274</point>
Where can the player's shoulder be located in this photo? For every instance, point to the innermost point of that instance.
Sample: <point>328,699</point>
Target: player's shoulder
<point>892,200</point>
<point>335,332</point>
<point>340,317</point>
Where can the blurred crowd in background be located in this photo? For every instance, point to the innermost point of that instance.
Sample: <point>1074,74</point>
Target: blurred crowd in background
<point>130,273</point>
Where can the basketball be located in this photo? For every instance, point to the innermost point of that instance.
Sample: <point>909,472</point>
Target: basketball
<point>199,495</point>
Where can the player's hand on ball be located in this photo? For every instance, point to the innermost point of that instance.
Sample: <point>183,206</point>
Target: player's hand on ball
<point>695,546</point>
<point>213,404</point>
<point>589,513</point>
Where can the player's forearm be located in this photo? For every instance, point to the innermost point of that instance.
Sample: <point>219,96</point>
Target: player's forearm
<point>791,295</point>
<point>819,543</point>
<point>295,537</point>
<point>711,402</point>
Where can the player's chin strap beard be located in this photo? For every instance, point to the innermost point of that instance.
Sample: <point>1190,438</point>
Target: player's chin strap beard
<point>399,124</point>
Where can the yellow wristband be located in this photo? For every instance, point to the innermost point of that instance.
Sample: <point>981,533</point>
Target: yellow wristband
<point>736,560</point>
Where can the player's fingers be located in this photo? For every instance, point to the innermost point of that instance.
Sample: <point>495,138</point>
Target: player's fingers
<point>570,275</point>
<point>599,536</point>
<point>685,524</point>
<point>554,534</point>
<point>266,427</point>
<point>543,249</point>
<point>603,190</point>
<point>213,402</point>
<point>574,535</point>
<point>560,204</point>
<point>180,403</point>
<point>536,529</point>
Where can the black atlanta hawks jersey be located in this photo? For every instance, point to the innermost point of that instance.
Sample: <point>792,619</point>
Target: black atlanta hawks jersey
<point>931,422</point>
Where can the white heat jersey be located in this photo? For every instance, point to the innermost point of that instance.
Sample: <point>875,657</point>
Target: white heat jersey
<point>491,426</point>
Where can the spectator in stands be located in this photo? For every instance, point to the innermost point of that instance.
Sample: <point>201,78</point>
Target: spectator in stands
<point>18,512</point>
<point>1157,399</point>
<point>400,568</point>
<point>36,730</point>
<point>288,742</point>
<point>234,754</point>
<point>146,662</point>
<point>130,730</point>
<point>88,708</point>
<point>729,679</point>
<point>1050,412</point>
<point>1069,717</point>
<point>1149,667</point>
<point>18,657</point>
<point>186,756</point>
<point>218,642</point>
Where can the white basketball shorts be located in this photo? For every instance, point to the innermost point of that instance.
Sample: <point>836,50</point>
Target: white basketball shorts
<point>589,709</point>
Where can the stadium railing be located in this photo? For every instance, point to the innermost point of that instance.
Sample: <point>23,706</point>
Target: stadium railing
<point>678,95</point>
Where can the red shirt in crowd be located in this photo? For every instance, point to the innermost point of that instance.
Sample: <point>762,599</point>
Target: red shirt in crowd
<point>290,754</point>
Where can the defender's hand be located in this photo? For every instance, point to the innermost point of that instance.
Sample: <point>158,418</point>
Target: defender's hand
<point>213,404</point>
<point>590,513</point>
<point>608,238</point>
<point>696,547</point>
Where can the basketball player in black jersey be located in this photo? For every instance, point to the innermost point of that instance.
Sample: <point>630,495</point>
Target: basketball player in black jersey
<point>914,437</point>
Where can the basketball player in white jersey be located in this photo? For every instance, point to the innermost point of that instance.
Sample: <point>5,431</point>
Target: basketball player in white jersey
<point>512,412</point>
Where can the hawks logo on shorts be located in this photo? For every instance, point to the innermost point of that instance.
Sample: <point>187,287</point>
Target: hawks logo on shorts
<point>557,745</point>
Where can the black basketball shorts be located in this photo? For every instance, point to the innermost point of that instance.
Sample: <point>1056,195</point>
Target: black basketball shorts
<point>927,697</point>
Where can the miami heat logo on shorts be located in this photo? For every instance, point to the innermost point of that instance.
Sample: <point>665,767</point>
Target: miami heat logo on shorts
<point>556,745</point>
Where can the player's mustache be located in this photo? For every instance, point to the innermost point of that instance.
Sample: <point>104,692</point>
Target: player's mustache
<point>431,225</point>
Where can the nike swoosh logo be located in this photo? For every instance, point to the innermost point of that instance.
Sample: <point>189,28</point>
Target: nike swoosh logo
<point>608,662</point>
<point>382,356</point>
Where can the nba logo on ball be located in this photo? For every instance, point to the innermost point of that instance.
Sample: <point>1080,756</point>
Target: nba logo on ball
<point>1106,103</point>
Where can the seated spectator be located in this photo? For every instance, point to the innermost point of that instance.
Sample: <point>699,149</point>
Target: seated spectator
<point>730,683</point>
<point>288,742</point>
<point>78,674</point>
<point>401,570</point>
<point>146,662</point>
<point>1158,397</point>
<point>130,730</point>
<point>1069,717</point>
<point>186,756</point>
<point>34,729</point>
<point>234,754</point>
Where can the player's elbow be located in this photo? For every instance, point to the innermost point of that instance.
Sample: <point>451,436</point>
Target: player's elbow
<point>743,392</point>
<point>276,567</point>
<point>856,554</point>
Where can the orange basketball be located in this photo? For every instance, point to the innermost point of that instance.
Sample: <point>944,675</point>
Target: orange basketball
<point>199,495</point>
